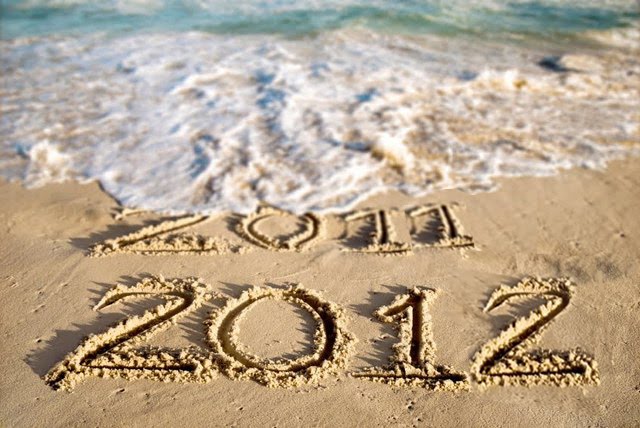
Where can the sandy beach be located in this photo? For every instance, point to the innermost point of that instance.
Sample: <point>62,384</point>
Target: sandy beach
<point>297,358</point>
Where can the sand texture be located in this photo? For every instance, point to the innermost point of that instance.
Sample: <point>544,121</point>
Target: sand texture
<point>519,307</point>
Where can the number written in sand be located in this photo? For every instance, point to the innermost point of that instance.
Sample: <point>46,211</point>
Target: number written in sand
<point>333,343</point>
<point>311,230</point>
<point>426,226</point>
<point>413,362</point>
<point>383,240</point>
<point>117,351</point>
<point>442,228</point>
<point>167,237</point>
<point>506,359</point>
<point>430,226</point>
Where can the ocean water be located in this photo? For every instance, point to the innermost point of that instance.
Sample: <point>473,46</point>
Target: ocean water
<point>209,105</point>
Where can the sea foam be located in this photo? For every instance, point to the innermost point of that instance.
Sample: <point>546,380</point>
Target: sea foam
<point>199,122</point>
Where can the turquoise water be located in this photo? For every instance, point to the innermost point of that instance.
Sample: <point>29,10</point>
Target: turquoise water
<point>298,18</point>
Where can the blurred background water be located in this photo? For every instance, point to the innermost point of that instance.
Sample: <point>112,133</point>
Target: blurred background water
<point>543,18</point>
<point>211,105</point>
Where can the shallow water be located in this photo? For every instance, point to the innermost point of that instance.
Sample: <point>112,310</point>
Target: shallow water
<point>313,105</point>
<point>304,17</point>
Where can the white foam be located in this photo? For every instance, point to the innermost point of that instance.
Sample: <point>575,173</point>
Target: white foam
<point>47,165</point>
<point>196,122</point>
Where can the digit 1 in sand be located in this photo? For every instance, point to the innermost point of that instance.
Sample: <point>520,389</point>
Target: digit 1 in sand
<point>383,240</point>
<point>413,362</point>
<point>442,229</point>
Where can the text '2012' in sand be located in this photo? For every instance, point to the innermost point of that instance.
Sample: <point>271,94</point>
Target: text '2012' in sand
<point>508,359</point>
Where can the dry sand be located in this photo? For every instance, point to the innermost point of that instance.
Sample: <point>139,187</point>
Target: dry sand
<point>169,349</point>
